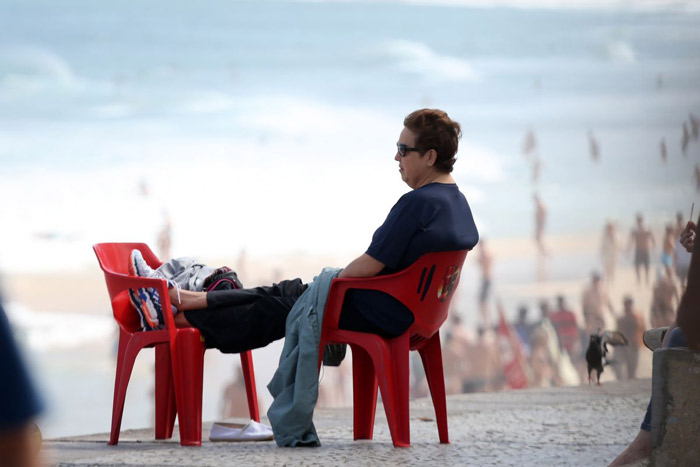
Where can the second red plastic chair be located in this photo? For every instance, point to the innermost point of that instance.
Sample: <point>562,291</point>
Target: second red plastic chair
<point>179,352</point>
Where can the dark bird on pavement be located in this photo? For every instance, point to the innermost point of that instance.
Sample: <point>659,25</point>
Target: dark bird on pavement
<point>598,349</point>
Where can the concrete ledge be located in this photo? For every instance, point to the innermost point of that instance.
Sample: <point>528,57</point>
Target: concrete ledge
<point>675,415</point>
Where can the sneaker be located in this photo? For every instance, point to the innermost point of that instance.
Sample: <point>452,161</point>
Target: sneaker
<point>653,338</point>
<point>146,302</point>
<point>138,266</point>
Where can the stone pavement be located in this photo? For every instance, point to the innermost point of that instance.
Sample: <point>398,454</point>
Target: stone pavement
<point>583,425</point>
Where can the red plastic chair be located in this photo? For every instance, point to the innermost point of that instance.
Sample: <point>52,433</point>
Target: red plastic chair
<point>179,352</point>
<point>426,288</point>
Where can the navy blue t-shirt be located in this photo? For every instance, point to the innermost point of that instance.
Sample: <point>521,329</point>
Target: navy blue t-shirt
<point>435,217</point>
<point>19,402</point>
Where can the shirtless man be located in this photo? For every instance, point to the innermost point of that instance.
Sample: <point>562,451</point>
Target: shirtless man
<point>643,241</point>
<point>663,300</point>
<point>593,301</point>
<point>668,250</point>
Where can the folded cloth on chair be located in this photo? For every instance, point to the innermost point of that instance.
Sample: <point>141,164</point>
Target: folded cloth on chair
<point>186,273</point>
<point>251,431</point>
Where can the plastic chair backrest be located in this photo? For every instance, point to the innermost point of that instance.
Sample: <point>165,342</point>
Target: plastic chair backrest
<point>426,288</point>
<point>114,262</point>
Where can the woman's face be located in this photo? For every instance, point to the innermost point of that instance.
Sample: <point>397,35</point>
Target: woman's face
<point>413,166</point>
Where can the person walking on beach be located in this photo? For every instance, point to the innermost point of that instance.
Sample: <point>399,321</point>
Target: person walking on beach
<point>485,261</point>
<point>668,248</point>
<point>609,251</point>
<point>631,325</point>
<point>643,240</point>
<point>540,222</point>
<point>594,147</point>
<point>664,150</point>
<point>664,297</point>
<point>594,300</point>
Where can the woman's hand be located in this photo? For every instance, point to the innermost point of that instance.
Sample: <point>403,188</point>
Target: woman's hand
<point>688,236</point>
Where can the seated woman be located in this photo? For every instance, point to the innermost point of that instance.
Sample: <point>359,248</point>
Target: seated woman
<point>434,216</point>
<point>683,332</point>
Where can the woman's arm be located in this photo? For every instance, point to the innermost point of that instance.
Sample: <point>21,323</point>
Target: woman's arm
<point>362,266</point>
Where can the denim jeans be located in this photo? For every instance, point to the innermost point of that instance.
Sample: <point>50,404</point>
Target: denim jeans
<point>675,339</point>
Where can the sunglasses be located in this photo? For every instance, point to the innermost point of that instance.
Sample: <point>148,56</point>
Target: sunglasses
<point>403,149</point>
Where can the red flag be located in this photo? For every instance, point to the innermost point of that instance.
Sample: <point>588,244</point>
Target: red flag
<point>512,357</point>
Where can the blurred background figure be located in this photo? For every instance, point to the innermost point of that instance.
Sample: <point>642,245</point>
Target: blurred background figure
<point>663,150</point>
<point>234,400</point>
<point>544,350</point>
<point>668,248</point>
<point>529,144</point>
<point>696,176</point>
<point>568,332</point>
<point>642,240</point>
<point>484,363</point>
<point>20,439</point>
<point>664,299</point>
<point>609,251</point>
<point>594,301</point>
<point>685,139</point>
<point>694,127</point>
<point>164,240</point>
<point>524,328</point>
<point>631,325</point>
<point>485,261</point>
<point>540,223</point>
<point>456,362</point>
<point>593,147</point>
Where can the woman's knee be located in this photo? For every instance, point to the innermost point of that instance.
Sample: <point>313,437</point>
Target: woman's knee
<point>677,338</point>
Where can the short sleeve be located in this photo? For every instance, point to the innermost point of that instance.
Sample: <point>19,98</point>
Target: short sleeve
<point>391,239</point>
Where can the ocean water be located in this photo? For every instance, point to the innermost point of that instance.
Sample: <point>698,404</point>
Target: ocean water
<point>270,126</point>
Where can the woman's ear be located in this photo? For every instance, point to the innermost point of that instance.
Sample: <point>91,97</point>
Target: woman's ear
<point>431,156</point>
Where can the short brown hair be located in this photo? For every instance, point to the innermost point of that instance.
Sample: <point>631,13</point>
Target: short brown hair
<point>435,130</point>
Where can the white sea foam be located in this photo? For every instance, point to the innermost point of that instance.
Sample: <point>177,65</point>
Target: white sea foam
<point>26,68</point>
<point>419,58</point>
<point>43,331</point>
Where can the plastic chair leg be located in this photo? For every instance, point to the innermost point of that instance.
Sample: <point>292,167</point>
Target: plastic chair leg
<point>431,354</point>
<point>125,363</point>
<point>166,408</point>
<point>188,372</point>
<point>393,383</point>
<point>250,389</point>
<point>364,393</point>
